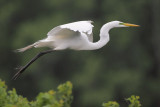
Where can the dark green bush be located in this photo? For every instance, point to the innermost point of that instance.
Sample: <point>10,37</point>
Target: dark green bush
<point>133,102</point>
<point>60,98</point>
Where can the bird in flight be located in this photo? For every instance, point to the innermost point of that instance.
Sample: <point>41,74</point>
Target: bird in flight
<point>76,36</point>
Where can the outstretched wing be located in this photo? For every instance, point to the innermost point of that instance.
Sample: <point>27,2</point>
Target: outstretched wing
<point>73,29</point>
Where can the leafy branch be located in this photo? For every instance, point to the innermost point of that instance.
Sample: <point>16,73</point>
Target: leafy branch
<point>60,98</point>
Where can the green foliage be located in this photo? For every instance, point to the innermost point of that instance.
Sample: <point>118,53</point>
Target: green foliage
<point>134,102</point>
<point>110,104</point>
<point>61,98</point>
<point>10,98</point>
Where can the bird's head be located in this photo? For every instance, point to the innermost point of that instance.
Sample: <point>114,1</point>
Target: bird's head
<point>122,24</point>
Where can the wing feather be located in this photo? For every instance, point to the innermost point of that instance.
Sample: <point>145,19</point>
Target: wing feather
<point>71,29</point>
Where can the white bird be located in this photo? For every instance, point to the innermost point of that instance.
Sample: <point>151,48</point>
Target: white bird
<point>76,36</point>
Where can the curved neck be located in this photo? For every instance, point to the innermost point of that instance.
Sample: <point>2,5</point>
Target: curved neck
<point>104,37</point>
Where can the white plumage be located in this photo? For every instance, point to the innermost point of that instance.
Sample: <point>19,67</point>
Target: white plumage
<point>81,26</point>
<point>64,36</point>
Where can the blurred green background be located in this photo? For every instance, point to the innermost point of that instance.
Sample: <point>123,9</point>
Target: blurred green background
<point>128,64</point>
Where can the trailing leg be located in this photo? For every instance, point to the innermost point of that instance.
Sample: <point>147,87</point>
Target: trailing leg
<point>23,68</point>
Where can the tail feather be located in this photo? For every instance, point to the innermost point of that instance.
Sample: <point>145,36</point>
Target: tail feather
<point>25,48</point>
<point>41,43</point>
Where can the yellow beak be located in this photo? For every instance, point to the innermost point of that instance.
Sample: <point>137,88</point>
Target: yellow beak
<point>132,25</point>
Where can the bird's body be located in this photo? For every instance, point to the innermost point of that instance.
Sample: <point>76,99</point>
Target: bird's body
<point>75,36</point>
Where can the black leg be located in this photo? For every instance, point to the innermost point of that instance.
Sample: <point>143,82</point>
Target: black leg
<point>22,69</point>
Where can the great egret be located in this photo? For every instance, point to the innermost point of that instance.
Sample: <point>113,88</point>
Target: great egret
<point>76,36</point>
